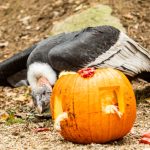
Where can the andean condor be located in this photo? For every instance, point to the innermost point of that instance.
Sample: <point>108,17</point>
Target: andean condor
<point>102,46</point>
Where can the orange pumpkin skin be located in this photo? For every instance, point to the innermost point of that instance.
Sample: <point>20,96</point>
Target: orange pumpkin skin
<point>89,104</point>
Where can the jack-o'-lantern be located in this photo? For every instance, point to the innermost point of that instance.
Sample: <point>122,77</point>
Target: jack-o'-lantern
<point>93,105</point>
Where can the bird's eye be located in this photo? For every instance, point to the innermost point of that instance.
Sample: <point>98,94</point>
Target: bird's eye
<point>44,93</point>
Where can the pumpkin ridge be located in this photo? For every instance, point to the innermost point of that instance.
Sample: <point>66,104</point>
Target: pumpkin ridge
<point>89,109</point>
<point>74,107</point>
<point>107,74</point>
<point>123,126</point>
<point>102,75</point>
<point>124,77</point>
<point>103,82</point>
<point>57,86</point>
<point>85,84</point>
<point>132,96</point>
<point>65,84</point>
<point>70,133</point>
<point>117,81</point>
<point>95,100</point>
<point>110,121</point>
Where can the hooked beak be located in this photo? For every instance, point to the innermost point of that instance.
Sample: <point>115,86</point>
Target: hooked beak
<point>39,109</point>
<point>39,105</point>
<point>41,95</point>
<point>42,102</point>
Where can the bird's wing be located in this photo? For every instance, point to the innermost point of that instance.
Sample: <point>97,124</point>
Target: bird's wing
<point>12,69</point>
<point>125,55</point>
<point>83,48</point>
<point>40,53</point>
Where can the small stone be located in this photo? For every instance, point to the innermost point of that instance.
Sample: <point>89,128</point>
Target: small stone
<point>15,133</point>
<point>56,13</point>
<point>58,3</point>
<point>70,1</point>
<point>128,16</point>
<point>28,27</point>
<point>25,20</point>
<point>37,28</point>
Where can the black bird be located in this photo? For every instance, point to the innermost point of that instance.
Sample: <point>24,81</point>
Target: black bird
<point>102,46</point>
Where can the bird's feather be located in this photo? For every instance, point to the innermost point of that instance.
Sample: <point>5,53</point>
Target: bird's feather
<point>83,48</point>
<point>14,65</point>
<point>125,55</point>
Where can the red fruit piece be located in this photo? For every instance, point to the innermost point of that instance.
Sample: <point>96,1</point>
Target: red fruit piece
<point>145,140</point>
<point>87,72</point>
<point>41,129</point>
<point>146,134</point>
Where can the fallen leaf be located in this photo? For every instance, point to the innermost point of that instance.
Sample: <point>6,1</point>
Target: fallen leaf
<point>4,116</point>
<point>41,130</point>
<point>25,20</point>
<point>128,16</point>
<point>4,7</point>
<point>4,44</point>
<point>20,98</point>
<point>28,27</point>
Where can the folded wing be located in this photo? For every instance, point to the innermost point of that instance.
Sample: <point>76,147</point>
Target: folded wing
<point>125,55</point>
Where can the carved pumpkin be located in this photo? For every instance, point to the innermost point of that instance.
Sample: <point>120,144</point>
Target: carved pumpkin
<point>93,105</point>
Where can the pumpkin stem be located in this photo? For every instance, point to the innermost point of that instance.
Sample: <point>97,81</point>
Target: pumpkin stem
<point>87,72</point>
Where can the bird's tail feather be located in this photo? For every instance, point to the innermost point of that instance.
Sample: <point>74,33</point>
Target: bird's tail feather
<point>125,55</point>
<point>13,65</point>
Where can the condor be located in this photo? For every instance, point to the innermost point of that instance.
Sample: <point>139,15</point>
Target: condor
<point>102,46</point>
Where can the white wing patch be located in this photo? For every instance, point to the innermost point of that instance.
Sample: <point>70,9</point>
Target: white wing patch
<point>126,55</point>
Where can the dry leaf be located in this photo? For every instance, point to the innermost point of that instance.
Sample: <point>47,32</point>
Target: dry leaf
<point>20,98</point>
<point>4,116</point>
<point>128,16</point>
<point>4,44</point>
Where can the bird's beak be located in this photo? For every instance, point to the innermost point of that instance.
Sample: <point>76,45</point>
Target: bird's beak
<point>41,95</point>
<point>39,109</point>
<point>39,105</point>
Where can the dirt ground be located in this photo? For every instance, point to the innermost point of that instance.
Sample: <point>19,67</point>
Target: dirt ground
<point>26,22</point>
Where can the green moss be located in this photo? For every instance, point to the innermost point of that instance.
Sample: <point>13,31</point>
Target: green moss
<point>12,119</point>
<point>94,16</point>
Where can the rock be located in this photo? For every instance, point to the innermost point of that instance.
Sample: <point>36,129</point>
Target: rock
<point>93,16</point>
<point>25,20</point>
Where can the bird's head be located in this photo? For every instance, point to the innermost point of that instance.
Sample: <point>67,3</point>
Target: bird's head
<point>41,95</point>
<point>41,77</point>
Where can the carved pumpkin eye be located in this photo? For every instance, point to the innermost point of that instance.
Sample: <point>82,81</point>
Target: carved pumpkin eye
<point>96,106</point>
